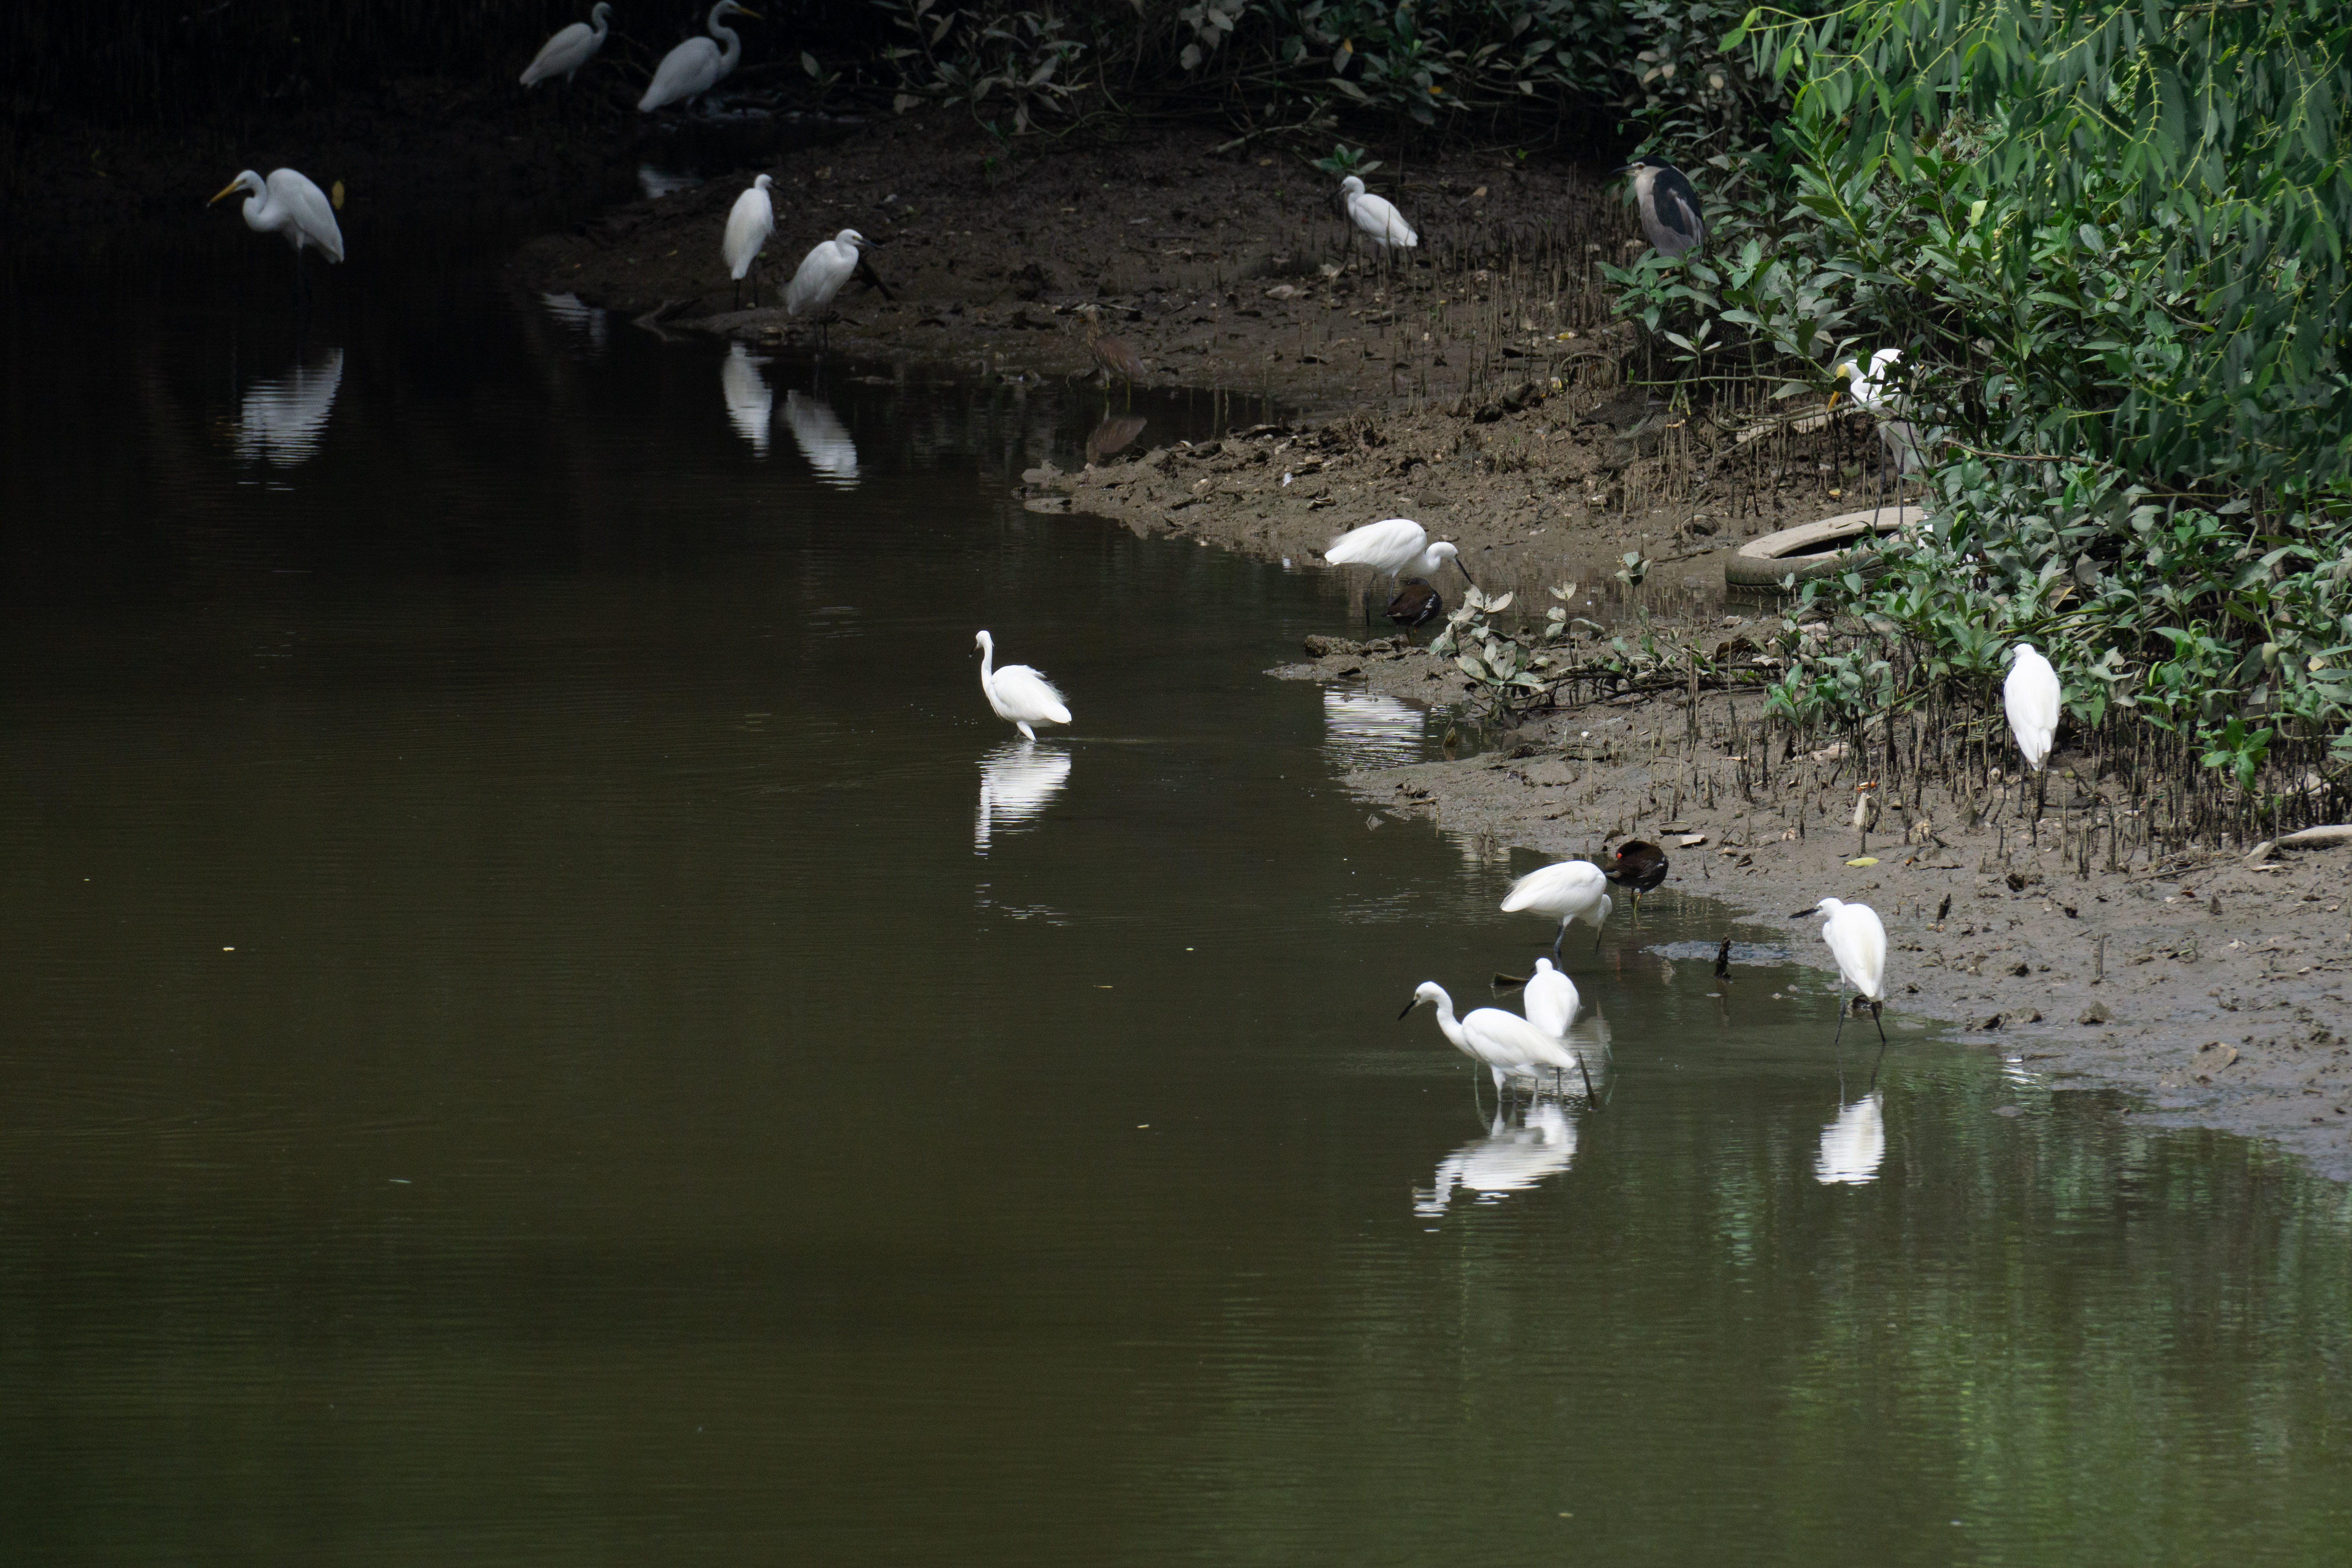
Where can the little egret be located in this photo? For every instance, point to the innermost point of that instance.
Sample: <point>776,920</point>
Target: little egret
<point>288,204</point>
<point>1018,692</point>
<point>1886,404</point>
<point>1640,868</point>
<point>748,229</point>
<point>1551,999</point>
<point>1111,355</point>
<point>571,49</point>
<point>1572,889</point>
<point>1857,939</point>
<point>1394,547</point>
<point>2030,697</point>
<point>1376,217</point>
<point>1669,207</point>
<point>1505,1042</point>
<point>1416,604</point>
<point>829,265</point>
<point>695,66</point>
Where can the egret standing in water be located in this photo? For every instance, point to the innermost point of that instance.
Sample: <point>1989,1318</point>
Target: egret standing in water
<point>695,66</point>
<point>2031,698</point>
<point>1018,692</point>
<point>1857,939</point>
<point>1669,205</point>
<point>1376,218</point>
<point>288,205</point>
<point>1572,889</point>
<point>1395,547</point>
<point>569,49</point>
<point>1551,999</point>
<point>1505,1042</point>
<point>748,229</point>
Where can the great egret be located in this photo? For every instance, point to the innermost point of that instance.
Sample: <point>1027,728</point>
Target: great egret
<point>2031,698</point>
<point>1853,1143</point>
<point>1671,218</point>
<point>1639,866</point>
<point>571,49</point>
<point>748,229</point>
<point>1111,355</point>
<point>288,205</point>
<point>1572,889</point>
<point>1857,939</point>
<point>1886,404</point>
<point>696,66</point>
<point>1416,604</point>
<point>1376,217</point>
<point>1505,1042</point>
<point>1394,547</point>
<point>1018,692</point>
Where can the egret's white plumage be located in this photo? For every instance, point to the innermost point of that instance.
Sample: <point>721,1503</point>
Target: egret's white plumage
<point>1376,217</point>
<point>697,65</point>
<point>1854,1144</point>
<point>1506,1043</point>
<point>1018,692</point>
<point>1572,889</point>
<point>1551,999</point>
<point>570,48</point>
<point>749,226</point>
<point>1876,392</point>
<point>1394,547</point>
<point>289,205</point>
<point>2030,697</point>
<point>1857,939</point>
<point>829,265</point>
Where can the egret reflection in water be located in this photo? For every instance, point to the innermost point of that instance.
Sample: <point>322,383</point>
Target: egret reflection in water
<point>822,438</point>
<point>1364,729</point>
<point>1517,1155</point>
<point>1113,435</point>
<point>750,402</point>
<point>1017,782</point>
<point>1854,1144</point>
<point>281,422</point>
<point>581,318</point>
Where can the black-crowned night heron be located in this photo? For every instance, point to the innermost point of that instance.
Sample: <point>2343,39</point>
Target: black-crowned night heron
<point>1670,214</point>
<point>1116,360</point>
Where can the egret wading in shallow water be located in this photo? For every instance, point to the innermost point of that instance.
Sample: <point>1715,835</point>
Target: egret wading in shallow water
<point>748,229</point>
<point>1639,866</point>
<point>697,65</point>
<point>1376,218</point>
<point>1505,1042</point>
<point>1018,692</point>
<point>1111,355</point>
<point>1668,204</point>
<point>1394,547</point>
<point>1857,939</point>
<point>569,49</point>
<point>288,205</point>
<point>1572,889</point>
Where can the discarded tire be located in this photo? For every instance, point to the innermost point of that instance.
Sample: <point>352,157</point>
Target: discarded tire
<point>1813,550</point>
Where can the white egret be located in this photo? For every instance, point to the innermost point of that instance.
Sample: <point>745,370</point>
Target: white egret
<point>288,205</point>
<point>828,265</point>
<point>1379,219</point>
<point>1018,692</point>
<point>1505,1042</point>
<point>1510,1159</point>
<point>822,440</point>
<point>1857,939</point>
<point>1551,999</point>
<point>1888,405</point>
<point>696,66</point>
<point>750,400</point>
<point>1853,1143</point>
<point>570,48</point>
<point>2031,698</point>
<point>1572,889</point>
<point>748,229</point>
<point>1394,547</point>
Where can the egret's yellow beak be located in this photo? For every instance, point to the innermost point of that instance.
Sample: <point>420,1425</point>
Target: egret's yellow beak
<point>229,189</point>
<point>1833,402</point>
<point>739,11</point>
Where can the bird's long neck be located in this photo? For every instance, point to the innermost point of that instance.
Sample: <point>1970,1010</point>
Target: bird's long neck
<point>599,20</point>
<point>987,662</point>
<point>253,206</point>
<point>733,45</point>
<point>1451,1026</point>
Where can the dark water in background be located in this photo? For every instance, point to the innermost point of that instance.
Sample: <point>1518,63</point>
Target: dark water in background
<point>513,1046</point>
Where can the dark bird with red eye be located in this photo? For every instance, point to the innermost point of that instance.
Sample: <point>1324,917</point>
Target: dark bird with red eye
<point>1638,869</point>
<point>1416,604</point>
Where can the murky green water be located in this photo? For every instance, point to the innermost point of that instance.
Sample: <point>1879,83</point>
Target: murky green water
<point>542,1021</point>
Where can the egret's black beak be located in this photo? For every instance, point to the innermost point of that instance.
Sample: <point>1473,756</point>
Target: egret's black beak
<point>1466,571</point>
<point>1410,1006</point>
<point>1799,914</point>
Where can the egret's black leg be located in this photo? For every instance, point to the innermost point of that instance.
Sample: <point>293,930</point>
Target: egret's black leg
<point>1562,937</point>
<point>1596,938</point>
<point>1843,1007</point>
<point>1874,1008</point>
<point>1591,1099</point>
